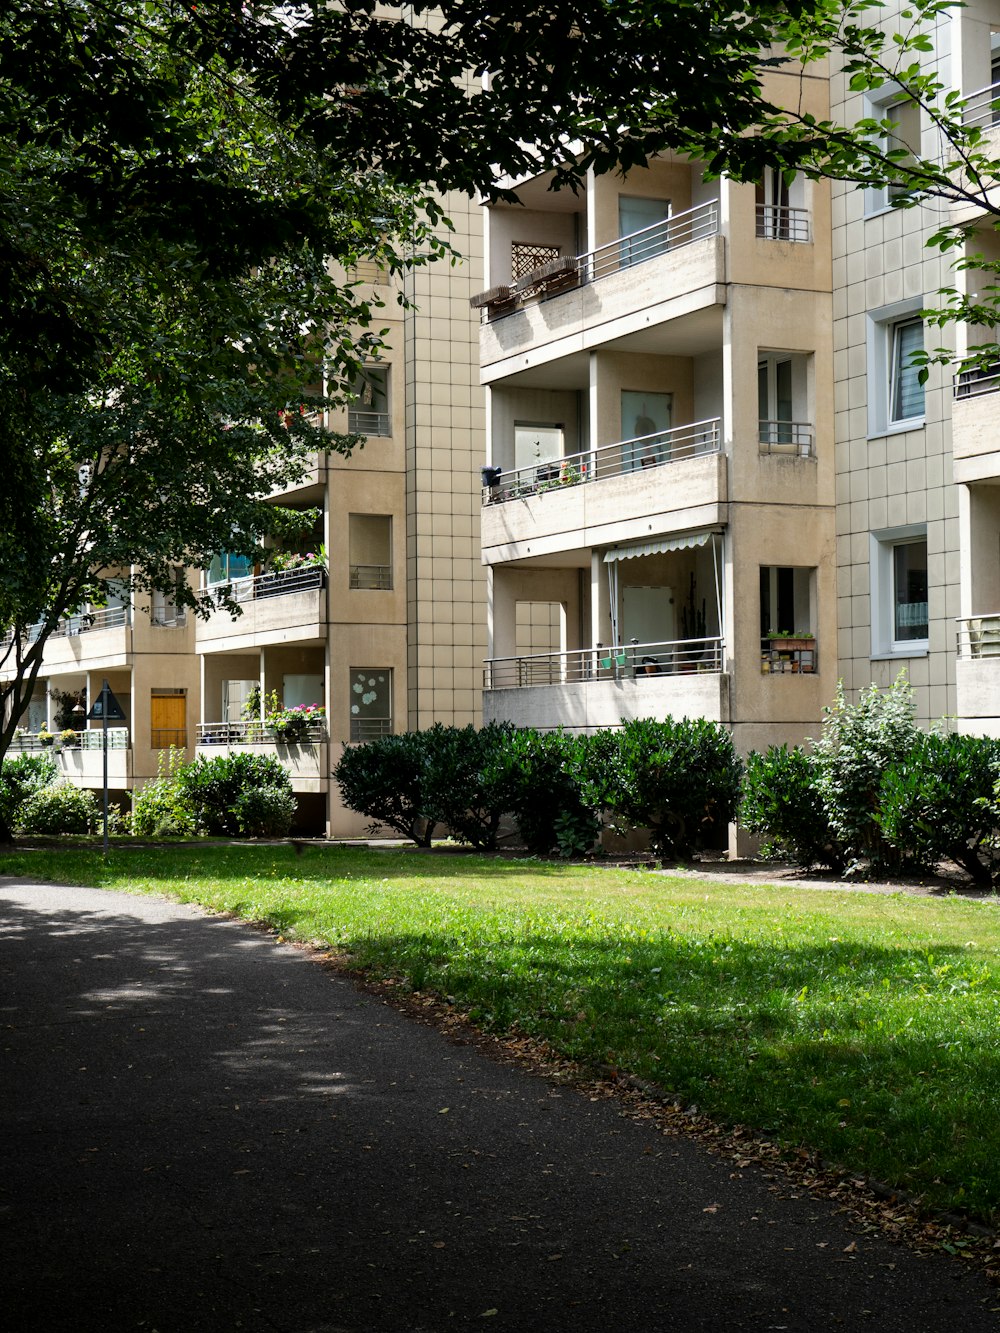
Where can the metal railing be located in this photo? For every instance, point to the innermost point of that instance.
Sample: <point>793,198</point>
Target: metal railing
<point>362,421</point>
<point>609,460</point>
<point>639,661</point>
<point>695,224</point>
<point>979,636</point>
<point>978,380</point>
<point>982,108</point>
<point>118,739</point>
<point>370,728</point>
<point>375,577</point>
<point>777,222</point>
<point>168,618</point>
<point>71,626</point>
<point>278,584</point>
<point>255,733</point>
<point>787,437</point>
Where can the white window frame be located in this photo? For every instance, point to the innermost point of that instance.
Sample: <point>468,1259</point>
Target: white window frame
<point>878,198</point>
<point>883,593</point>
<point>882,326</point>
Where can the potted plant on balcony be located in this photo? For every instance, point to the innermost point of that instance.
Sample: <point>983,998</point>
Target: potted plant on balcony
<point>69,738</point>
<point>788,646</point>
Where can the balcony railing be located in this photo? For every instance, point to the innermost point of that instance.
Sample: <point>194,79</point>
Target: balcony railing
<point>610,460</point>
<point>255,733</point>
<point>979,636</point>
<point>370,728</point>
<point>558,275</point>
<point>639,661</point>
<point>279,584</point>
<point>168,617</point>
<point>80,622</point>
<point>978,380</point>
<point>362,421</point>
<point>982,108</point>
<point>377,578</point>
<point>787,437</point>
<point>776,222</point>
<point>118,739</point>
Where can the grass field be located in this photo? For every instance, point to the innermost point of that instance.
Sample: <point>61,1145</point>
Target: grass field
<point>864,1027</point>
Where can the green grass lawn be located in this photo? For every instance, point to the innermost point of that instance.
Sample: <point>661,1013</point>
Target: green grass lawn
<point>865,1027</point>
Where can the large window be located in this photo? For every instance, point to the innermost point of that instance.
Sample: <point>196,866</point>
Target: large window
<point>899,140</point>
<point>900,623</point>
<point>370,413</point>
<point>371,703</point>
<point>906,392</point>
<point>226,568</point>
<point>645,428</point>
<point>370,551</point>
<point>895,392</point>
<point>636,218</point>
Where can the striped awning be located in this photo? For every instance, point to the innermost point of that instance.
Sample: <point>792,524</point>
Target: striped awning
<point>684,542</point>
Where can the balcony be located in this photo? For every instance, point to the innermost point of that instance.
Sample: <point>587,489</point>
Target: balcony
<point>788,439</point>
<point>305,759</point>
<point>373,578</point>
<point>661,273</point>
<point>982,108</point>
<point>600,686</point>
<point>83,761</point>
<point>668,481</point>
<point>976,424</point>
<point>977,673</point>
<point>361,421</point>
<point>277,608</point>
<point>777,222</point>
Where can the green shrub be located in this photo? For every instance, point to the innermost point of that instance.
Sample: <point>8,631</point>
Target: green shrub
<point>385,779</point>
<point>545,792</point>
<point>679,779</point>
<point>160,809</point>
<point>212,788</point>
<point>265,812</point>
<point>781,800</point>
<point>19,778</point>
<point>940,801</point>
<point>858,743</point>
<point>59,808</point>
<point>470,783</point>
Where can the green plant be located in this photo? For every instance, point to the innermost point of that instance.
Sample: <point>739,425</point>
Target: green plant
<point>160,808</point>
<point>265,812</point>
<point>212,788</point>
<point>545,797</point>
<point>19,778</point>
<point>943,800</point>
<point>679,779</point>
<point>857,744</point>
<point>781,800</point>
<point>385,780</point>
<point>69,738</point>
<point>59,808</point>
<point>45,737</point>
<point>470,781</point>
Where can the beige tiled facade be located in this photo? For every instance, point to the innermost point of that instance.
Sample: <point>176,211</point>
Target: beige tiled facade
<point>396,627</point>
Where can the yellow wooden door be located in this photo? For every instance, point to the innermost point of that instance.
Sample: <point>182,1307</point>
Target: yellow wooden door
<point>168,720</point>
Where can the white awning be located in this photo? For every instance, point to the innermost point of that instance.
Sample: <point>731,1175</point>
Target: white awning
<point>685,542</point>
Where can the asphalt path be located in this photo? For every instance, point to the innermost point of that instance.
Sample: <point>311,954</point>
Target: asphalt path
<point>203,1130</point>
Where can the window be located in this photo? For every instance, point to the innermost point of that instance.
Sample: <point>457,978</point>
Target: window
<point>645,429</point>
<point>370,551</point>
<point>785,599</point>
<point>370,414</point>
<point>371,703</point>
<point>906,391</point>
<point>895,393</point>
<point>900,135</point>
<point>227,567</point>
<point>899,591</point>
<point>781,212</point>
<point>774,399</point>
<point>642,227</point>
<point>538,444</point>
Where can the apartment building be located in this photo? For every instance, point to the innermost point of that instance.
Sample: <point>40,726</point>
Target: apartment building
<point>373,621</point>
<point>660,506</point>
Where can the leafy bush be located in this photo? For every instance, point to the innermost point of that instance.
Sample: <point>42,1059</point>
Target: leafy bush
<point>781,800</point>
<point>679,779</point>
<point>19,778</point>
<point>545,792</point>
<point>265,812</point>
<point>59,808</point>
<point>160,810</point>
<point>469,783</point>
<point>858,743</point>
<point>211,789</point>
<point>940,801</point>
<point>385,779</point>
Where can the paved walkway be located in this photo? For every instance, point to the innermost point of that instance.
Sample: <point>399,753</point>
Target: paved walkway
<point>203,1130</point>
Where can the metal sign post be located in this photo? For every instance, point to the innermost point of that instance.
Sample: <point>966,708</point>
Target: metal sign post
<point>106,706</point>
